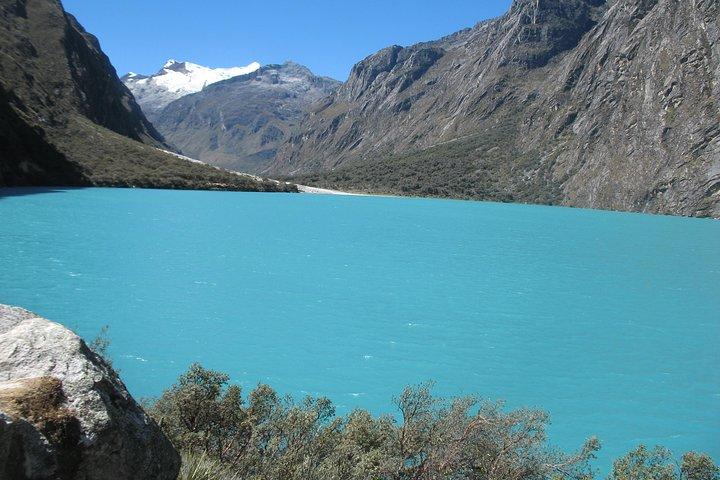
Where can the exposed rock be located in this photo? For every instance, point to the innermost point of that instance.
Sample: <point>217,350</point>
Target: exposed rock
<point>590,103</point>
<point>65,414</point>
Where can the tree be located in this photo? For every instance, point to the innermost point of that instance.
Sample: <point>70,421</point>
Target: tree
<point>658,464</point>
<point>197,414</point>
<point>698,466</point>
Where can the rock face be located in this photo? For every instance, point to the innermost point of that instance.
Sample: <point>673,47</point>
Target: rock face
<point>591,103</point>
<point>240,123</point>
<point>67,119</point>
<point>52,71</point>
<point>64,413</point>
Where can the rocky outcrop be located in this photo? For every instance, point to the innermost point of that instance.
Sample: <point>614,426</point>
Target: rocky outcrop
<point>591,103</point>
<point>65,414</point>
<point>240,123</point>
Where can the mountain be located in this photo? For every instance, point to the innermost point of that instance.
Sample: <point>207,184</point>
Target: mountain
<point>240,123</point>
<point>174,81</point>
<point>67,119</point>
<point>588,103</point>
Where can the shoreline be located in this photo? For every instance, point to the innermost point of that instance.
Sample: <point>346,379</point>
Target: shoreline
<point>326,191</point>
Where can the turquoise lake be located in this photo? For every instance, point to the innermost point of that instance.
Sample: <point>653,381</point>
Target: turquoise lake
<point>609,321</point>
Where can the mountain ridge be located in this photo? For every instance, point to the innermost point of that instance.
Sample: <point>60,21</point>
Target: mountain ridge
<point>534,106</point>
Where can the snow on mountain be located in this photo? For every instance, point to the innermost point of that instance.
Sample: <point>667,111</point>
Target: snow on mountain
<point>186,77</point>
<point>175,80</point>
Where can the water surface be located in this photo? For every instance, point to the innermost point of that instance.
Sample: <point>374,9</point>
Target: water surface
<point>609,321</point>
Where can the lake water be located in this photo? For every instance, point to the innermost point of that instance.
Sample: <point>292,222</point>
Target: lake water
<point>609,321</point>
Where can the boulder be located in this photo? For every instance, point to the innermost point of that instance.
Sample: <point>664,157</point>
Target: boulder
<point>64,412</point>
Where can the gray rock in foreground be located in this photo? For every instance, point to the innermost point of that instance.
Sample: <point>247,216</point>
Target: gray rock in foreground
<point>65,414</point>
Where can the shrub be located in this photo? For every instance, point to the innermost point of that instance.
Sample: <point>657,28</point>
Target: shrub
<point>274,437</point>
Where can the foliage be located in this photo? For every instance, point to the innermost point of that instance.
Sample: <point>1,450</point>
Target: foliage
<point>108,159</point>
<point>698,466</point>
<point>268,437</point>
<point>199,466</point>
<point>100,345</point>
<point>656,464</point>
<point>101,342</point>
<point>643,464</point>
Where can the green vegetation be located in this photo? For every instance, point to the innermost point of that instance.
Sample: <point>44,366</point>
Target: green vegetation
<point>199,466</point>
<point>100,343</point>
<point>657,464</point>
<point>108,159</point>
<point>485,165</point>
<point>265,436</point>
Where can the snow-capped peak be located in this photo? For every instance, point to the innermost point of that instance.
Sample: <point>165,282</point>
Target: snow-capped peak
<point>186,77</point>
<point>177,79</point>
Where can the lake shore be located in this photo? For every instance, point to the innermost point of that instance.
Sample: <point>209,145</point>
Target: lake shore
<point>325,191</point>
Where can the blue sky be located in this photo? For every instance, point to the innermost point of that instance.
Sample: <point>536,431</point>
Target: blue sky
<point>328,36</point>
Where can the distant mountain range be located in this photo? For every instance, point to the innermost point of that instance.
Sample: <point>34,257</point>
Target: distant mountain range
<point>234,118</point>
<point>67,119</point>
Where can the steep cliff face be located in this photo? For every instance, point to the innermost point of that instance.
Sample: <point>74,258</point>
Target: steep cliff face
<point>240,123</point>
<point>584,102</point>
<point>66,117</point>
<point>65,414</point>
<point>98,93</point>
<point>636,111</point>
<point>52,71</point>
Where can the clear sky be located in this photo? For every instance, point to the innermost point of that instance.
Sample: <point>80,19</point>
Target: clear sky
<point>328,36</point>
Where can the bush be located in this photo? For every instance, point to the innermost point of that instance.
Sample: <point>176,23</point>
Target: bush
<point>274,437</point>
<point>657,464</point>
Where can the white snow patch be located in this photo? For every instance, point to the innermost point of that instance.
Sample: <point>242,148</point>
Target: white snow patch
<point>195,77</point>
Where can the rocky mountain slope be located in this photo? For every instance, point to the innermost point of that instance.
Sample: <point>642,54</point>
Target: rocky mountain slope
<point>240,123</point>
<point>591,103</point>
<point>174,81</point>
<point>66,119</point>
<point>65,414</point>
